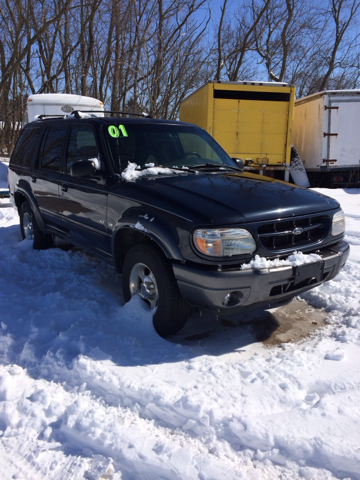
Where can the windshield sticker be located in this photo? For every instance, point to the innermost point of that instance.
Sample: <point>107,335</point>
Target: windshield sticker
<point>115,131</point>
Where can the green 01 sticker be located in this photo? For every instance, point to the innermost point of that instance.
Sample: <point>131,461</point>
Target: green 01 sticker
<point>115,131</point>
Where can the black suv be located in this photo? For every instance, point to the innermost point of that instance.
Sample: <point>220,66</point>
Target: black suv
<point>175,214</point>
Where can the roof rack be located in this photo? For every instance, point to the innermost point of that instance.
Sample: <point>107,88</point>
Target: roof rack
<point>77,113</point>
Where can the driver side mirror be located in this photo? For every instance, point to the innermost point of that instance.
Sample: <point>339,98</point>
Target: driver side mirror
<point>86,169</point>
<point>82,168</point>
<point>239,163</point>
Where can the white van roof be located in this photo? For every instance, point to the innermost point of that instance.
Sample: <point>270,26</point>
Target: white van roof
<point>63,99</point>
<point>57,104</point>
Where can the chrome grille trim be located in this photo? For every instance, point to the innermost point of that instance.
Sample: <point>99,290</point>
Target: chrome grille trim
<point>279,235</point>
<point>289,232</point>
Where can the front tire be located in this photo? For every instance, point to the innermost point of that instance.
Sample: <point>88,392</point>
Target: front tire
<point>148,273</point>
<point>30,229</point>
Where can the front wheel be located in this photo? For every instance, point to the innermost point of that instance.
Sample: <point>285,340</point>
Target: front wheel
<point>30,229</point>
<point>147,272</point>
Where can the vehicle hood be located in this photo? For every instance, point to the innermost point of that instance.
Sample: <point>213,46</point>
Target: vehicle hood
<point>224,199</point>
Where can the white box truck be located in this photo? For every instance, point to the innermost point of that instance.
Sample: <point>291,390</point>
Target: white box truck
<point>59,104</point>
<point>326,135</point>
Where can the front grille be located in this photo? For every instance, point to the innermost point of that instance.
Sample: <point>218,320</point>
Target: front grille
<point>294,233</point>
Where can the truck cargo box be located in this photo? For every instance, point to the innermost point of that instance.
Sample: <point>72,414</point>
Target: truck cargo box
<point>326,135</point>
<point>250,120</point>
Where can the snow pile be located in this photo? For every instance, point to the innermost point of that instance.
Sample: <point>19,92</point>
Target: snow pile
<point>294,260</point>
<point>89,390</point>
<point>132,172</point>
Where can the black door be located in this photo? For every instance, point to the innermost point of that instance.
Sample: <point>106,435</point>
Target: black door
<point>84,200</point>
<point>47,176</point>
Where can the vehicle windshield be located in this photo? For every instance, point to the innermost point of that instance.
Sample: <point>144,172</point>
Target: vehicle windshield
<point>162,145</point>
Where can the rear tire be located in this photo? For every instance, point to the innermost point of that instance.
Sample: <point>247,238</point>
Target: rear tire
<point>148,273</point>
<point>30,229</point>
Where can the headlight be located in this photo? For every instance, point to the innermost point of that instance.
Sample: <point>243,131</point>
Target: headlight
<point>338,223</point>
<point>224,242</point>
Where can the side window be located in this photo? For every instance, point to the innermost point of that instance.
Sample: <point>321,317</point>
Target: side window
<point>82,146</point>
<point>25,147</point>
<point>51,147</point>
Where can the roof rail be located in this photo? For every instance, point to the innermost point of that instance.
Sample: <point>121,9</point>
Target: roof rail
<point>44,115</point>
<point>77,114</point>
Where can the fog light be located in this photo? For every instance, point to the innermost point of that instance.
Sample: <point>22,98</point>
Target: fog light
<point>232,299</point>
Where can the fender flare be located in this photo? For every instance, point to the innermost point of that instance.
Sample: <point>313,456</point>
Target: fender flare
<point>23,189</point>
<point>164,235</point>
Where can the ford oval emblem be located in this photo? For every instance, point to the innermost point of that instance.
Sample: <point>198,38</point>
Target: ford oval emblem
<point>67,109</point>
<point>297,231</point>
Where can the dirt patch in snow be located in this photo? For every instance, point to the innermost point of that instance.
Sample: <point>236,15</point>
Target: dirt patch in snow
<point>296,321</point>
<point>291,322</point>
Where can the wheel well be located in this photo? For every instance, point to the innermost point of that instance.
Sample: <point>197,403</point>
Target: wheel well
<point>127,238</point>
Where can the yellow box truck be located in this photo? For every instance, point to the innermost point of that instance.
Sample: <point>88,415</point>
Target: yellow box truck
<point>251,120</point>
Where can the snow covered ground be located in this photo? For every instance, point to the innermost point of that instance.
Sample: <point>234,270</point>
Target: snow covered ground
<point>89,390</point>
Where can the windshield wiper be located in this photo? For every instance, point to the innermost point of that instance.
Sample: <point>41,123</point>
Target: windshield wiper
<point>183,169</point>
<point>192,168</point>
<point>214,166</point>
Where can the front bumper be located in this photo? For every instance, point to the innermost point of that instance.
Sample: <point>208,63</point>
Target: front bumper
<point>239,290</point>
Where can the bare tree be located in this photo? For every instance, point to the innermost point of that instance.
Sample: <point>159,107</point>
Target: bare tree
<point>343,13</point>
<point>16,17</point>
<point>310,45</point>
<point>236,39</point>
<point>18,36</point>
<point>149,54</point>
<point>173,57</point>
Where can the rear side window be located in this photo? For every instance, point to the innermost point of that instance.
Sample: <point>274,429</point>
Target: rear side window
<point>51,148</point>
<point>25,147</point>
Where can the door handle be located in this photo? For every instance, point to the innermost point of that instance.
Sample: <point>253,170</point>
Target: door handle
<point>64,188</point>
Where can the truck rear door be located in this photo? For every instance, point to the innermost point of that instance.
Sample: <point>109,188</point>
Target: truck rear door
<point>343,140</point>
<point>252,124</point>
